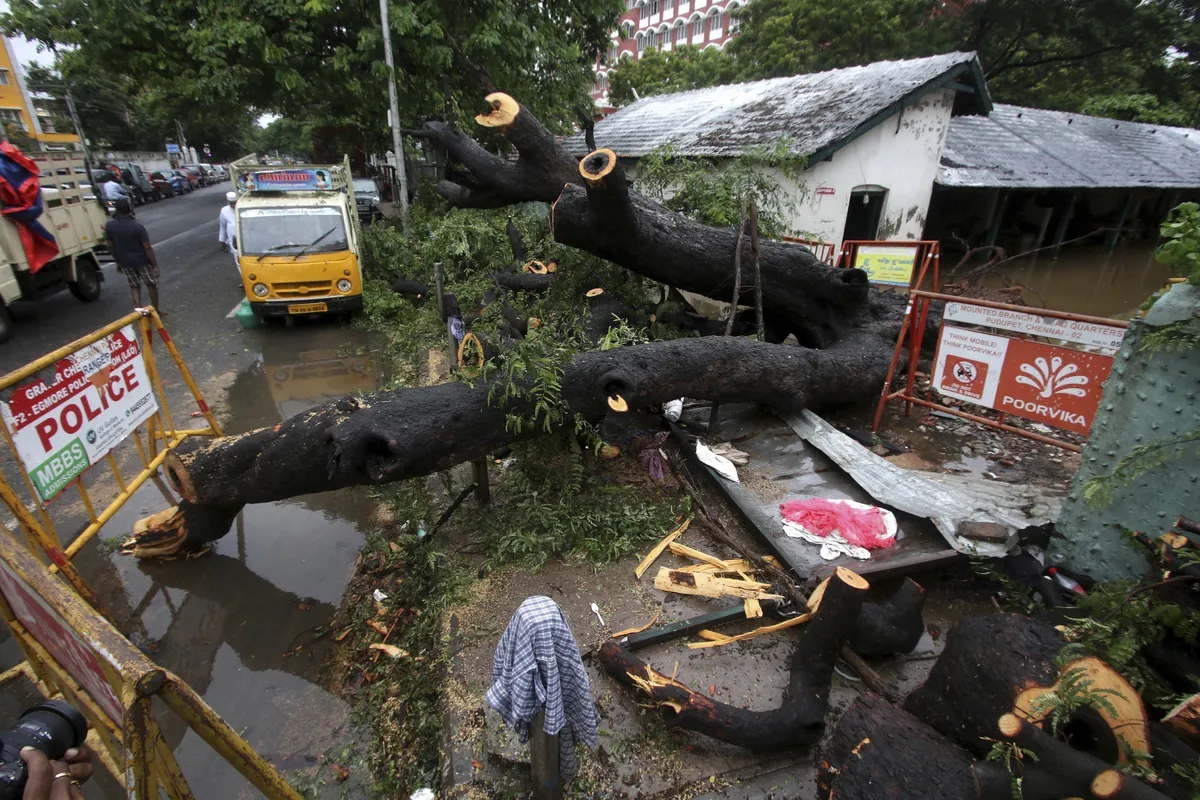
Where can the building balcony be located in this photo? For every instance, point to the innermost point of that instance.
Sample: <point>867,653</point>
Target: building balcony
<point>654,18</point>
<point>668,14</point>
<point>643,22</point>
<point>701,4</point>
<point>714,34</point>
<point>666,47</point>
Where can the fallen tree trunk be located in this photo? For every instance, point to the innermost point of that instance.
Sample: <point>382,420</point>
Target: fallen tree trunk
<point>879,751</point>
<point>987,663</point>
<point>800,720</point>
<point>411,432</point>
<point>893,626</point>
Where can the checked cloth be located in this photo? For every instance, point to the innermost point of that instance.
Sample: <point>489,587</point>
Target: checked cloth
<point>536,666</point>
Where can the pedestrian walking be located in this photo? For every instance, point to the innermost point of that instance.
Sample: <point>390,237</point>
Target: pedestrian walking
<point>130,247</point>
<point>227,229</point>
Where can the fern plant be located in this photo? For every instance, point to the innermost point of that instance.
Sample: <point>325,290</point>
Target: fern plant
<point>1011,756</point>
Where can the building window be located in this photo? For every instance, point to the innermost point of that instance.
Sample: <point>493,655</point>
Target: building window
<point>734,24</point>
<point>4,79</point>
<point>12,116</point>
<point>668,5</point>
<point>643,11</point>
<point>681,34</point>
<point>698,27</point>
<point>714,22</point>
<point>641,44</point>
<point>629,4</point>
<point>653,7</point>
<point>613,53</point>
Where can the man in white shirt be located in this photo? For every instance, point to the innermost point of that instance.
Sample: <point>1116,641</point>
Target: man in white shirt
<point>227,228</point>
<point>113,190</point>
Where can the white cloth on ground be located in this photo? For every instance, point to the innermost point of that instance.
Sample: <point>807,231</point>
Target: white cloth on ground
<point>537,665</point>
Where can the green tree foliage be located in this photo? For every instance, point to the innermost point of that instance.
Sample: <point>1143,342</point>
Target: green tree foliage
<point>1123,58</point>
<point>119,114</point>
<point>662,73</point>
<point>713,194</point>
<point>322,61</point>
<point>286,136</point>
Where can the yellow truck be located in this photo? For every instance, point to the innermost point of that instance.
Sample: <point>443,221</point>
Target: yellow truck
<point>76,219</point>
<point>298,238</point>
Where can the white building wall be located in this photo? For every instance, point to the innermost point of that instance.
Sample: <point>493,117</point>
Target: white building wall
<point>900,155</point>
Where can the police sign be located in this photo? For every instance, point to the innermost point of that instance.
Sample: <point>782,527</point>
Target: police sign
<point>100,394</point>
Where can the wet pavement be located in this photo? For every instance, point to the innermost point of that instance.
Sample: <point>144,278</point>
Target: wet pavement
<point>227,623</point>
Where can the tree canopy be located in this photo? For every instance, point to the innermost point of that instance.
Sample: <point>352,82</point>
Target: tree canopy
<point>320,61</point>
<point>1124,58</point>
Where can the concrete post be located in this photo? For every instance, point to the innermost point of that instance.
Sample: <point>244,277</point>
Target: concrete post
<point>543,761</point>
<point>1147,398</point>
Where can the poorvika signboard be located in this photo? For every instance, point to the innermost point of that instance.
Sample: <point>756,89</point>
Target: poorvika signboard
<point>1054,385</point>
<point>99,395</point>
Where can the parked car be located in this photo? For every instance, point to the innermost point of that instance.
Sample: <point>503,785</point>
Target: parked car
<point>163,186</point>
<point>214,174</point>
<point>193,181</point>
<point>366,198</point>
<point>133,177</point>
<point>180,184</point>
<point>201,175</point>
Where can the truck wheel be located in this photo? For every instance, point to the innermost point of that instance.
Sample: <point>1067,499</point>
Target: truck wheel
<point>6,323</point>
<point>87,287</point>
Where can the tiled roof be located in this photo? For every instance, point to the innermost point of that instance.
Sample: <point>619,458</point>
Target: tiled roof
<point>817,112</point>
<point>1032,148</point>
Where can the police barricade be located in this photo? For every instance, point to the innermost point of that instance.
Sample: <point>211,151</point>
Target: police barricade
<point>823,250</point>
<point>1040,364</point>
<point>73,652</point>
<point>104,388</point>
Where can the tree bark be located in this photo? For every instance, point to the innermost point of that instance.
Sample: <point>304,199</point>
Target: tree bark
<point>986,664</point>
<point>893,626</point>
<point>799,721</point>
<point>879,751</point>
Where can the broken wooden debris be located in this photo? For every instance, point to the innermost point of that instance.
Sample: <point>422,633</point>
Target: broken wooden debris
<point>705,585</point>
<point>699,555</point>
<point>800,718</point>
<point>753,608</point>
<point>640,628</point>
<point>653,555</point>
<point>1184,721</point>
<point>714,639</point>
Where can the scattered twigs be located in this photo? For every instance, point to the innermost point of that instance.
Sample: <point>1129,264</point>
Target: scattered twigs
<point>451,509</point>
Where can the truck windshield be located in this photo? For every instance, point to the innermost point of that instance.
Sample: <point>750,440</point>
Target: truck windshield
<point>282,230</point>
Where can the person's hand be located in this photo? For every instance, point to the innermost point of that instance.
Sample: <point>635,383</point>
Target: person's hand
<point>55,780</point>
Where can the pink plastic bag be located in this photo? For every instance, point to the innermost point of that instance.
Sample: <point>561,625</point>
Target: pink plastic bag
<point>863,527</point>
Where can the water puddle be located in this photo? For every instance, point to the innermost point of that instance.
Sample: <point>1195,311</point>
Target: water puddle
<point>229,623</point>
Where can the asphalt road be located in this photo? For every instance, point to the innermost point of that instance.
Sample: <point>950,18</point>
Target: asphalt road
<point>197,288</point>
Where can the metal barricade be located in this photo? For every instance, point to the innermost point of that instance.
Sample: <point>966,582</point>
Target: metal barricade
<point>74,653</point>
<point>105,389</point>
<point>1040,364</point>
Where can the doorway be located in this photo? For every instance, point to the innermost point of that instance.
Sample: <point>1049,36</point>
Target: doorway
<point>864,213</point>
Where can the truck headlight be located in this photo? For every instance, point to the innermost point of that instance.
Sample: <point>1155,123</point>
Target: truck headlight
<point>375,199</point>
<point>344,286</point>
<point>261,290</point>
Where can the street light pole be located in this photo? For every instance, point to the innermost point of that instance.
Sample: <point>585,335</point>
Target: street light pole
<point>393,99</point>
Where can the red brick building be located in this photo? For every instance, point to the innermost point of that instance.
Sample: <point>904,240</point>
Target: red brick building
<point>664,25</point>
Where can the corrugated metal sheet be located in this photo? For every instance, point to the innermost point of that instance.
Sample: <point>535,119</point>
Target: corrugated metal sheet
<point>1031,148</point>
<point>815,111</point>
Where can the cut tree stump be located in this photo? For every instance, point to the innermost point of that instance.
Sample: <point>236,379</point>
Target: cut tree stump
<point>893,626</point>
<point>799,721</point>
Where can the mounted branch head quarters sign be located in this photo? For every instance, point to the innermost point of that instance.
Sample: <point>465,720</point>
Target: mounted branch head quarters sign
<point>99,395</point>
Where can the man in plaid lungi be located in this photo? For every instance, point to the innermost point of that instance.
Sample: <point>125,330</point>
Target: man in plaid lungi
<point>130,247</point>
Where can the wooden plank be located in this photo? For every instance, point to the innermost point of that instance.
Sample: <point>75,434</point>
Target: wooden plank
<point>713,641</point>
<point>653,555</point>
<point>704,585</point>
<point>698,555</point>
